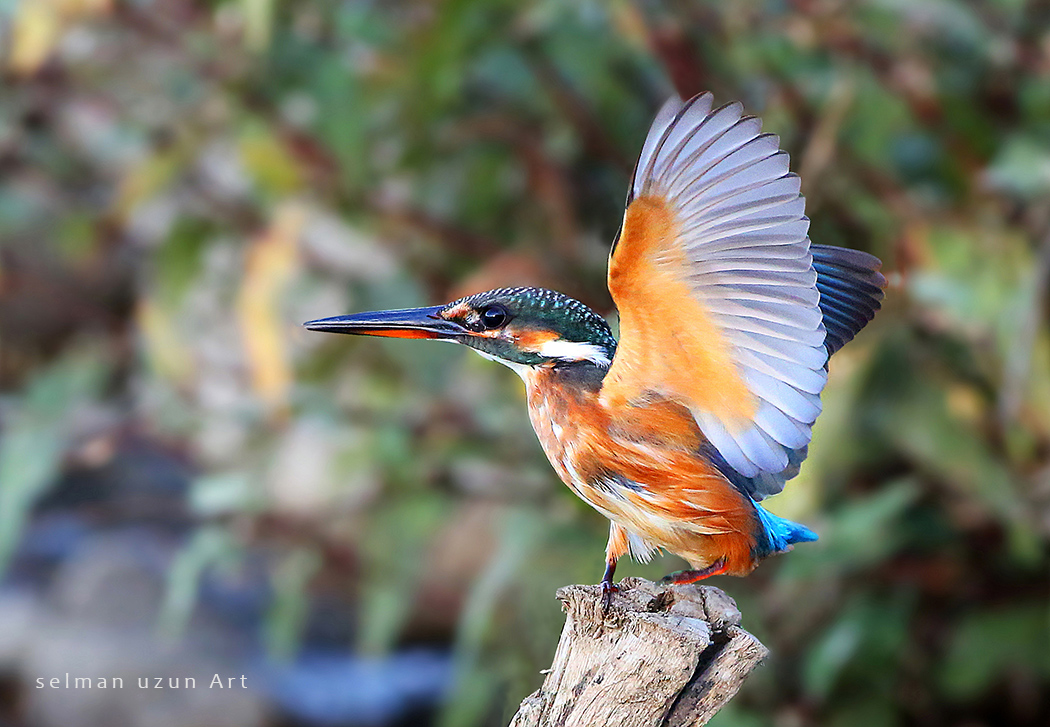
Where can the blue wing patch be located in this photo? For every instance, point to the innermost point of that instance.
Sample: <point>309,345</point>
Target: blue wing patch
<point>850,286</point>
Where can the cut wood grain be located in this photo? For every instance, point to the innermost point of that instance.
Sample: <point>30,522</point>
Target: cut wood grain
<point>662,656</point>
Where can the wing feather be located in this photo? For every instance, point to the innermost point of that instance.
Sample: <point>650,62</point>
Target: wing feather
<point>764,169</point>
<point>716,288</point>
<point>747,327</point>
<point>688,124</point>
<point>724,305</point>
<point>785,349</point>
<point>732,194</point>
<point>807,380</point>
<point>783,313</point>
<point>666,116</point>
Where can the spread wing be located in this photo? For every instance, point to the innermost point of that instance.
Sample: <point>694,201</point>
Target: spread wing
<point>717,292</point>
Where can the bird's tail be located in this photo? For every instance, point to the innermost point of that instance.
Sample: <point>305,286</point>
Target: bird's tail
<point>780,533</point>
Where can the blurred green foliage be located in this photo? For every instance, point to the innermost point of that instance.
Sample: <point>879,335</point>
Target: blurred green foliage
<point>184,181</point>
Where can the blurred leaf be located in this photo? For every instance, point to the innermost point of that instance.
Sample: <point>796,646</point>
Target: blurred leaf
<point>30,457</point>
<point>939,19</point>
<point>997,645</point>
<point>864,711</point>
<point>732,715</point>
<point>269,266</point>
<point>35,436</point>
<point>878,117</point>
<point>340,124</point>
<point>474,688</point>
<point>268,162</point>
<point>34,32</point>
<point>866,639</point>
<point>290,606</point>
<point>225,494</point>
<point>1021,168</point>
<point>393,544</point>
<point>924,428</point>
<point>859,535</point>
<point>838,645</point>
<point>981,299</point>
<point>146,179</point>
<point>258,21</point>
<point>38,26</point>
<point>208,546</point>
<point>167,353</point>
<point>177,263</point>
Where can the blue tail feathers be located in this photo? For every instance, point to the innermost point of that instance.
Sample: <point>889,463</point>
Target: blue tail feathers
<point>780,533</point>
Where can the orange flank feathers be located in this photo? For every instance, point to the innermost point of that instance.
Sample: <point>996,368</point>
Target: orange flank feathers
<point>619,543</point>
<point>669,346</point>
<point>642,468</point>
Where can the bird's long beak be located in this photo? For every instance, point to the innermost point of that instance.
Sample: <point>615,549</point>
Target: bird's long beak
<point>406,323</point>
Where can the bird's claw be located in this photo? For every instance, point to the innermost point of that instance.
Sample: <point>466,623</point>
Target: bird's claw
<point>608,589</point>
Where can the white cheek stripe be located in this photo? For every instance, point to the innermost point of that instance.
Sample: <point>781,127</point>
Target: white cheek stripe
<point>574,351</point>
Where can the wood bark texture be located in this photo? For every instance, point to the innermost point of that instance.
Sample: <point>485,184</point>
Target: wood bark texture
<point>662,656</point>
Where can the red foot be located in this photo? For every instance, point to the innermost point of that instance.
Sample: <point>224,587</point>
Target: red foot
<point>693,576</point>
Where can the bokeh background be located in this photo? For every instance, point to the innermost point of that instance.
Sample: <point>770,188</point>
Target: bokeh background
<point>192,484</point>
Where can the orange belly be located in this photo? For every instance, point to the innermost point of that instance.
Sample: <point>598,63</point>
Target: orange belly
<point>641,467</point>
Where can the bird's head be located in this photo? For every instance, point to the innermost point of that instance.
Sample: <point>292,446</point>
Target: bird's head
<point>519,327</point>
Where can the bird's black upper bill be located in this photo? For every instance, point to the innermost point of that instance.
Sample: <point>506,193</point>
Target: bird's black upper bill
<point>406,323</point>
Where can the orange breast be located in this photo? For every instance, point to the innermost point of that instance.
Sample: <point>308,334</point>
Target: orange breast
<point>640,465</point>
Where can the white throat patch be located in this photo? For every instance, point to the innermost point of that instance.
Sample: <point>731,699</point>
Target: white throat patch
<point>574,351</point>
<point>520,369</point>
<point>560,349</point>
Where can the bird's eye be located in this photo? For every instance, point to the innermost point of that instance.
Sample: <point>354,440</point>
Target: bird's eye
<point>494,316</point>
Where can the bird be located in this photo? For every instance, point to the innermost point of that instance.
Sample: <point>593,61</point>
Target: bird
<point>704,405</point>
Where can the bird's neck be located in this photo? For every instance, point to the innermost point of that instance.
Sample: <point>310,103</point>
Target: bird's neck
<point>582,376</point>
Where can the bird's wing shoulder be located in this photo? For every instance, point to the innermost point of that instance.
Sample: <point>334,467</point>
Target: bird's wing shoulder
<point>716,290</point>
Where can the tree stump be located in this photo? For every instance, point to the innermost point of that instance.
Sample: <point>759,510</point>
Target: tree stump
<point>663,656</point>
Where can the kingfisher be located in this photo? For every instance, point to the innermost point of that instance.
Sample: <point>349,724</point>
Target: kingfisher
<point>704,404</point>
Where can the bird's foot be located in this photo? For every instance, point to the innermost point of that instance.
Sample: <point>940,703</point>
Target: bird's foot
<point>608,587</point>
<point>693,576</point>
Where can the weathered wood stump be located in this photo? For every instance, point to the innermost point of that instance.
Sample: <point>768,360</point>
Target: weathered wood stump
<point>663,656</point>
